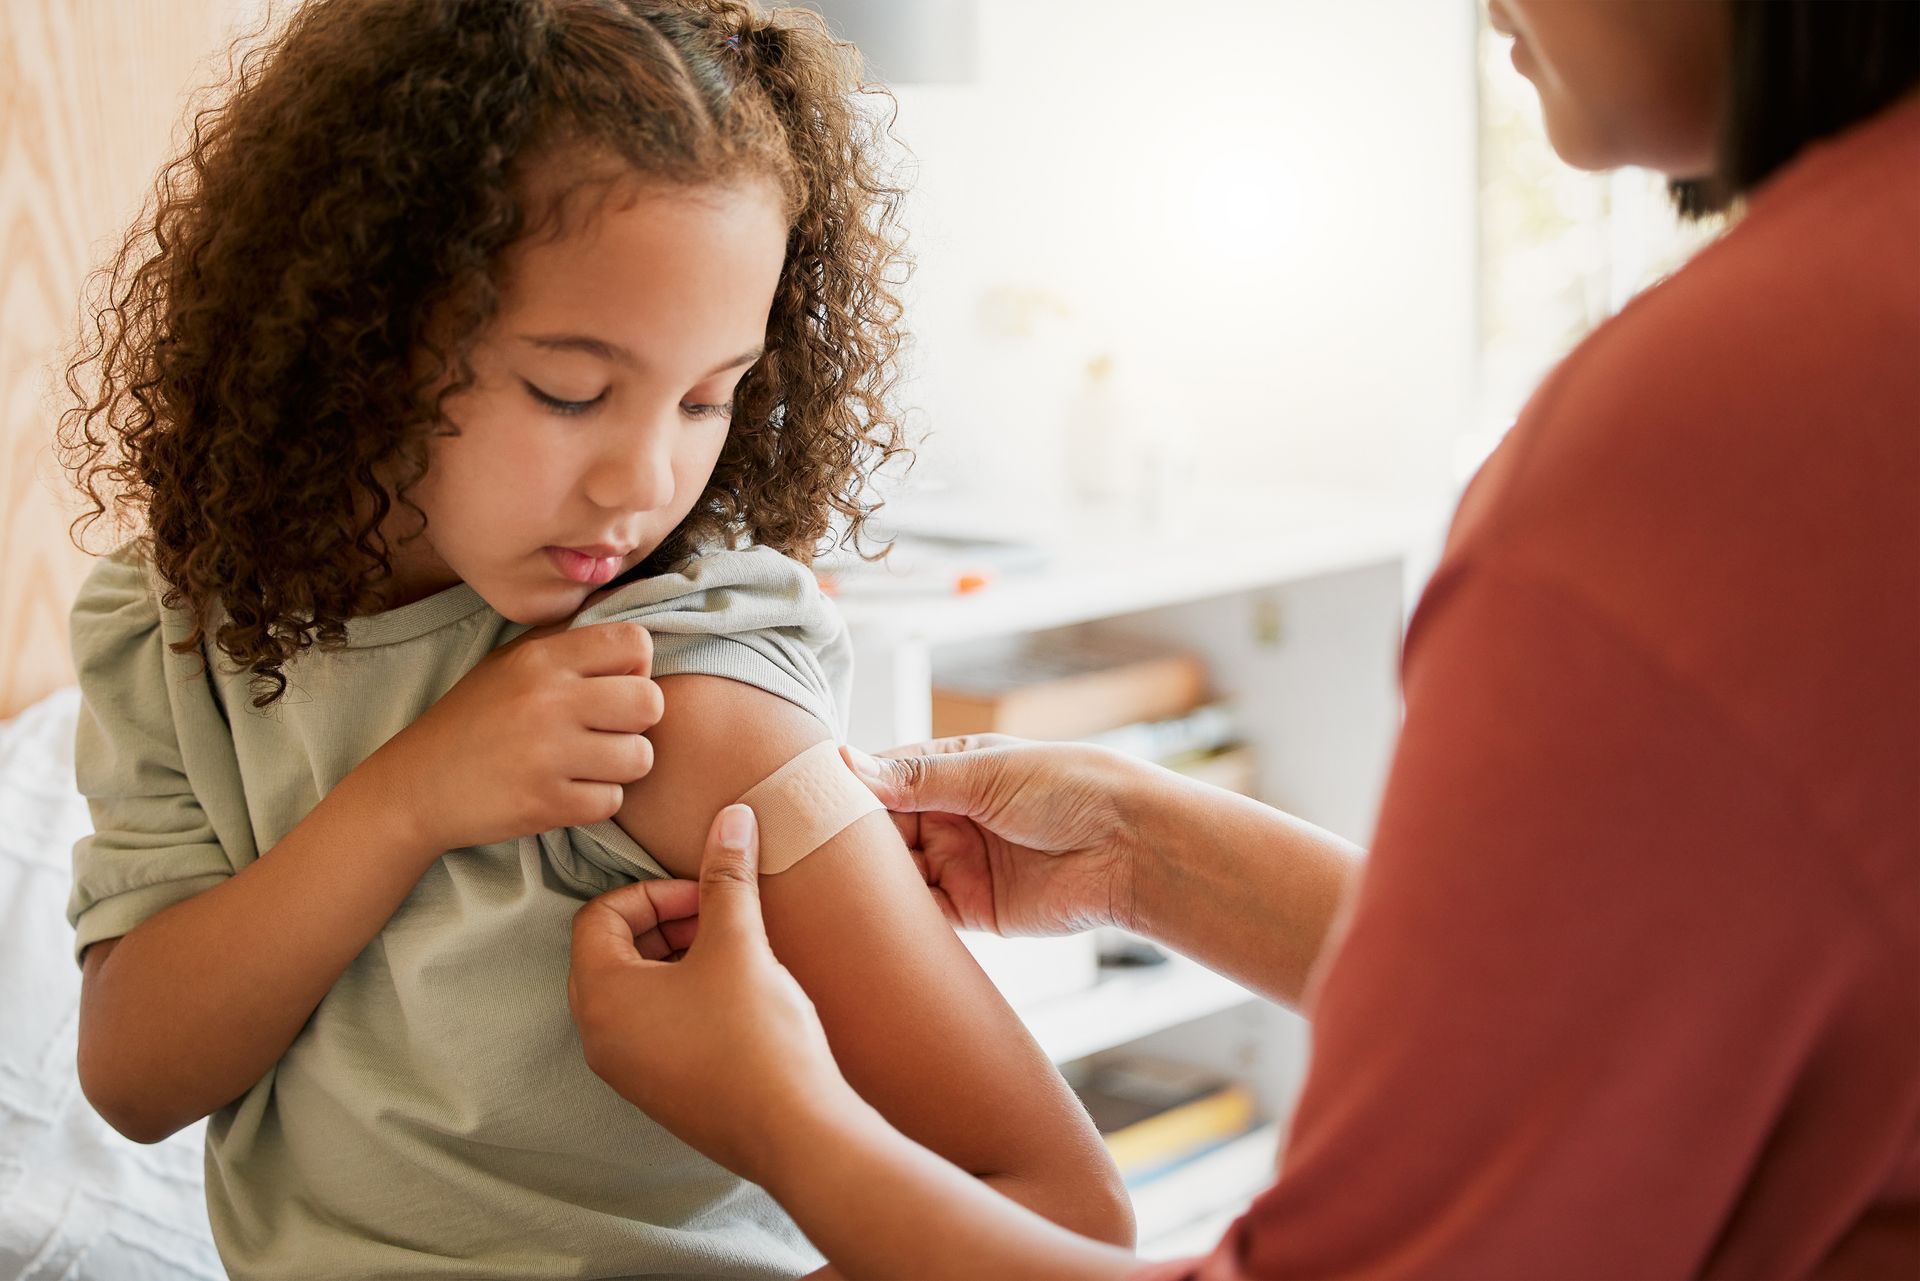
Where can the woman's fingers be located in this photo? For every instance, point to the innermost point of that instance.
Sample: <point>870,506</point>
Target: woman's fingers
<point>648,905</point>
<point>954,783</point>
<point>730,881</point>
<point>680,935</point>
<point>602,939</point>
<point>657,919</point>
<point>948,746</point>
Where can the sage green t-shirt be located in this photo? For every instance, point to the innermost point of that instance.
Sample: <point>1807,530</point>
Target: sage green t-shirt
<point>435,1118</point>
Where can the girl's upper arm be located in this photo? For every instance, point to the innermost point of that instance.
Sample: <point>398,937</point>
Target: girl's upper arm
<point>916,1026</point>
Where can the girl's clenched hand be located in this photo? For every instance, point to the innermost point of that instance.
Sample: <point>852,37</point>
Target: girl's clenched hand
<point>544,732</point>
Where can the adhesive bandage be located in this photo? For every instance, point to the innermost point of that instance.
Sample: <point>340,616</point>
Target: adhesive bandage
<point>804,804</point>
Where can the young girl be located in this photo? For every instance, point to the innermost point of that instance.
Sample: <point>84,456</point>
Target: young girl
<point>451,314</point>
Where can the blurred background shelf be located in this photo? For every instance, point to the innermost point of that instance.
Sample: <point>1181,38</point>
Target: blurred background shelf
<point>1185,1210</point>
<point>1284,535</point>
<point>1126,1004</point>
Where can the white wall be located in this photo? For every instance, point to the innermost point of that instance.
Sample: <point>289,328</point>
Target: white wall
<point>1265,207</point>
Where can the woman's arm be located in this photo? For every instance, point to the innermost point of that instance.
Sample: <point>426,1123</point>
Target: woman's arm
<point>1244,888</point>
<point>917,1028</point>
<point>1048,838</point>
<point>185,1012</point>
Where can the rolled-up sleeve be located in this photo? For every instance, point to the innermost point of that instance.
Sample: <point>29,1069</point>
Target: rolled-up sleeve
<point>750,615</point>
<point>153,844</point>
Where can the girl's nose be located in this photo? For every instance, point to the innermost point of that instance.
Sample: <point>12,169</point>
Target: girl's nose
<point>636,472</point>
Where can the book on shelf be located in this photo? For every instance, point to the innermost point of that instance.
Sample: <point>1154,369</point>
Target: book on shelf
<point>1198,731</point>
<point>1183,1210</point>
<point>1204,743</point>
<point>1066,687</point>
<point>1235,768</point>
<point>1156,1116</point>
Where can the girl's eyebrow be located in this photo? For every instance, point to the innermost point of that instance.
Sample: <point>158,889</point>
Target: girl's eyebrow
<point>614,353</point>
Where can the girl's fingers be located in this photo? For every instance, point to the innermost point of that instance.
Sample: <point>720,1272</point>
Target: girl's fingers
<point>606,649</point>
<point>612,758</point>
<point>590,800</point>
<point>625,704</point>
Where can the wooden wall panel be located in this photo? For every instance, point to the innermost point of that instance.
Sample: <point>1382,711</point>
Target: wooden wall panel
<point>92,93</point>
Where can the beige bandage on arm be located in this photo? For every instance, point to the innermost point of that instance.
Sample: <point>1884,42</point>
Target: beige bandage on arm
<point>804,804</point>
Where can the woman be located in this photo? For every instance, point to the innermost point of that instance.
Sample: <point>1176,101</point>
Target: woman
<point>1628,986</point>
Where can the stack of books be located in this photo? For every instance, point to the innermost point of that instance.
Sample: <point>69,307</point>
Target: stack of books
<point>1185,1139</point>
<point>1119,693</point>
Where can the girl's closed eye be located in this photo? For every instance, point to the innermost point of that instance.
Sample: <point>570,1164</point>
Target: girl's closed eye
<point>693,409</point>
<point>559,405</point>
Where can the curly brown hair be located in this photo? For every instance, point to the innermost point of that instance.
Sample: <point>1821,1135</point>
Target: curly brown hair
<point>274,340</point>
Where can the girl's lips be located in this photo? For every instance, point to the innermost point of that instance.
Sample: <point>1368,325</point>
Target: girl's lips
<point>591,570</point>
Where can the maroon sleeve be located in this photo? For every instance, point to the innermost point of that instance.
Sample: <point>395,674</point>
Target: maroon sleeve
<point>1596,967</point>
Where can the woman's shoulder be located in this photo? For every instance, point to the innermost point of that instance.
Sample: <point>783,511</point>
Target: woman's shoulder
<point>1721,476</point>
<point>1735,369</point>
<point>1817,277</point>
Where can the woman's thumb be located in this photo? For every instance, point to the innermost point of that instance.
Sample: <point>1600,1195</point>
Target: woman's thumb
<point>911,784</point>
<point>730,879</point>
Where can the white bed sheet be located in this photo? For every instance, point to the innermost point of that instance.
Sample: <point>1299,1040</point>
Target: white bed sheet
<point>77,1201</point>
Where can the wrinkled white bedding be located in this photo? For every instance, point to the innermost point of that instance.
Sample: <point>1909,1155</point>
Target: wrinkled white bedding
<point>77,1201</point>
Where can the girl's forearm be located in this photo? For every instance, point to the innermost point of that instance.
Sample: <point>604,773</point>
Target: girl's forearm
<point>879,1205</point>
<point>1062,1198</point>
<point>189,1009</point>
<point>1244,888</point>
<point>1062,1201</point>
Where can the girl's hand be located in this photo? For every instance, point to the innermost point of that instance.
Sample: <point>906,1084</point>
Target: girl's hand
<point>720,1045</point>
<point>544,732</point>
<point>1016,837</point>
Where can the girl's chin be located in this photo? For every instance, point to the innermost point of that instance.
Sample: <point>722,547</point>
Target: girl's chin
<point>535,607</point>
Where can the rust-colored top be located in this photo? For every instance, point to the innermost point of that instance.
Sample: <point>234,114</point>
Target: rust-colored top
<point>1632,987</point>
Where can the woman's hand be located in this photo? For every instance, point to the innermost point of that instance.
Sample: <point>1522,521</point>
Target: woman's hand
<point>544,732</point>
<point>721,1045</point>
<point>1017,837</point>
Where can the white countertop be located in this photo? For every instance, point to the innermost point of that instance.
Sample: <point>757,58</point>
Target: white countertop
<point>1272,539</point>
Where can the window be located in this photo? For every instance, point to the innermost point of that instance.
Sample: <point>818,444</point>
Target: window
<point>1560,250</point>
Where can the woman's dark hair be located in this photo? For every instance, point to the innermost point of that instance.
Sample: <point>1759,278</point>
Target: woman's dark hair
<point>1800,71</point>
<point>272,345</point>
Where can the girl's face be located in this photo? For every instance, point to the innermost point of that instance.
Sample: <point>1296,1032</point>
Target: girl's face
<point>1624,82</point>
<point>601,399</point>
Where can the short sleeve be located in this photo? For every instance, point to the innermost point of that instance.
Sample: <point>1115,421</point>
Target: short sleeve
<point>751,615</point>
<point>153,844</point>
